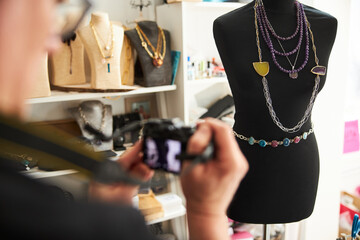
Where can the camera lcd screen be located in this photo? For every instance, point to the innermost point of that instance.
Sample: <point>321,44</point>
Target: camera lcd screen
<point>162,154</point>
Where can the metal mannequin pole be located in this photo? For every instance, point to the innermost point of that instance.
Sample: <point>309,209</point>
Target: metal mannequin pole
<point>266,235</point>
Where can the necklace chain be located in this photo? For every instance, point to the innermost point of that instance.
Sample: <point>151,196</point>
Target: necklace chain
<point>266,27</point>
<point>161,41</point>
<point>83,117</point>
<point>296,58</point>
<point>96,35</point>
<point>306,115</point>
<point>266,90</point>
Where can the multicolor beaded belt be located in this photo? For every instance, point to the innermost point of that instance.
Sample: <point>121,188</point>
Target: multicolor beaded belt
<point>275,143</point>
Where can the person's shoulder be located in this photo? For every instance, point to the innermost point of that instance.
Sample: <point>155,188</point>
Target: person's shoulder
<point>236,16</point>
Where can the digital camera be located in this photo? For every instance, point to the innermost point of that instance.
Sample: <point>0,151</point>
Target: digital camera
<point>165,143</point>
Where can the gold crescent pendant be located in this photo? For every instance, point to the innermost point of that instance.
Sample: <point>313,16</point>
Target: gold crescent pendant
<point>262,68</point>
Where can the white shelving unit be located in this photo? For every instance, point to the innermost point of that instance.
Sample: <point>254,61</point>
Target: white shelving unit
<point>60,96</point>
<point>190,25</point>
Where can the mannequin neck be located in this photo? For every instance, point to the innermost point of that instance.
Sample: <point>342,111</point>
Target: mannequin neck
<point>281,6</point>
<point>148,26</point>
<point>100,19</point>
<point>91,106</point>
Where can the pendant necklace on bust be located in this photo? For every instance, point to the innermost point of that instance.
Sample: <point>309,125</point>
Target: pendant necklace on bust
<point>262,68</point>
<point>106,47</point>
<point>68,42</point>
<point>102,125</point>
<point>156,55</point>
<point>267,31</point>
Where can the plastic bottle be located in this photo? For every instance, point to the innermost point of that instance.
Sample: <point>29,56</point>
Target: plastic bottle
<point>190,69</point>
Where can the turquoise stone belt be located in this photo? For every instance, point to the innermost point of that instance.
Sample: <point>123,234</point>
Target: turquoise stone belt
<point>275,143</point>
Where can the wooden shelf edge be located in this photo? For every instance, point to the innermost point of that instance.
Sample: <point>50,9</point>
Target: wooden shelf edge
<point>168,216</point>
<point>60,96</point>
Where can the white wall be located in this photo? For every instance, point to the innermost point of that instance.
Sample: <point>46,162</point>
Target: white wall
<point>121,10</point>
<point>329,123</point>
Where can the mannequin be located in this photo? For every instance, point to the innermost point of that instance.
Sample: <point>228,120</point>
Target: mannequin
<point>42,86</point>
<point>67,64</point>
<point>281,184</point>
<point>99,116</point>
<point>151,75</point>
<point>104,74</point>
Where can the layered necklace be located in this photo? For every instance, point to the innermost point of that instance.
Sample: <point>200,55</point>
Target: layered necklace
<point>106,48</point>
<point>267,29</point>
<point>96,141</point>
<point>156,55</point>
<point>262,68</point>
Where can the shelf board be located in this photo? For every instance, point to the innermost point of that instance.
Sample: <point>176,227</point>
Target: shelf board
<point>208,81</point>
<point>60,96</point>
<point>172,206</point>
<point>181,211</point>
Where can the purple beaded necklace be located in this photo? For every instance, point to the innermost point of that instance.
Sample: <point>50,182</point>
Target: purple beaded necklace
<point>262,68</point>
<point>301,28</point>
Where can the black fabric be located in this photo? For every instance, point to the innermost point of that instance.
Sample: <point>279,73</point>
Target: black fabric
<point>281,184</point>
<point>150,75</point>
<point>31,210</point>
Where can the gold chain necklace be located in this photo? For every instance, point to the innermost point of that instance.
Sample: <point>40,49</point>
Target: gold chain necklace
<point>158,58</point>
<point>105,58</point>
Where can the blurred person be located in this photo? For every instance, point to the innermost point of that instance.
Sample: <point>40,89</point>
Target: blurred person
<point>31,210</point>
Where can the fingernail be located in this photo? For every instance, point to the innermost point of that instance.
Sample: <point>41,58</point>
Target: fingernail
<point>200,121</point>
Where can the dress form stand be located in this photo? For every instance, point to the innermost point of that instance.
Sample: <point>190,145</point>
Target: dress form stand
<point>266,232</point>
<point>99,116</point>
<point>67,64</point>
<point>104,74</point>
<point>150,74</point>
<point>281,184</point>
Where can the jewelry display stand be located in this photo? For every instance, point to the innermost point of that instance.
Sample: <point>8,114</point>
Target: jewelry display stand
<point>99,116</point>
<point>103,42</point>
<point>153,73</point>
<point>127,63</point>
<point>67,64</point>
<point>41,88</point>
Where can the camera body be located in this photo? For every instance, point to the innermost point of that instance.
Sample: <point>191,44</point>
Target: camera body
<point>165,141</point>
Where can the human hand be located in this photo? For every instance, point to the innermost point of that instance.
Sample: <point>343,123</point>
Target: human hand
<point>210,187</point>
<point>131,161</point>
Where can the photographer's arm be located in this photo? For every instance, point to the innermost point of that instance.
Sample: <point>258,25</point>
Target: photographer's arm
<point>210,187</point>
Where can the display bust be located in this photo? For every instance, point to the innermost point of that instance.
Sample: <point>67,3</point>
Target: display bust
<point>281,184</point>
<point>156,70</point>
<point>103,42</point>
<point>99,117</point>
<point>67,63</point>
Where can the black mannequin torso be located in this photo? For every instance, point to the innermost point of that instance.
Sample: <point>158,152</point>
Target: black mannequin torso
<point>151,75</point>
<point>281,184</point>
